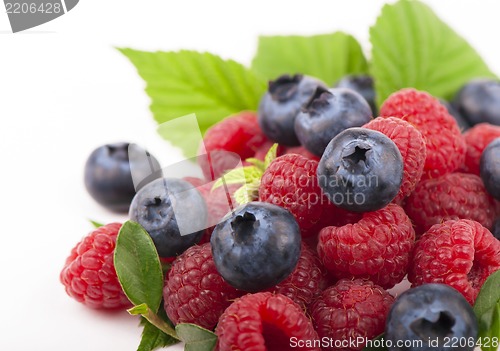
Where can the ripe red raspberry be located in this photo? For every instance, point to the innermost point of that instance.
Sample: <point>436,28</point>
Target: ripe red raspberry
<point>89,274</point>
<point>477,138</point>
<point>290,181</point>
<point>239,134</point>
<point>349,310</point>
<point>410,143</point>
<point>444,142</point>
<point>194,291</point>
<point>377,247</point>
<point>460,253</point>
<point>306,281</point>
<point>265,322</point>
<point>451,196</point>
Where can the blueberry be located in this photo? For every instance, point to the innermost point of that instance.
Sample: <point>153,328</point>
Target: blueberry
<point>363,84</point>
<point>328,112</point>
<point>173,212</point>
<point>490,168</point>
<point>281,104</point>
<point>434,316</point>
<point>479,101</point>
<point>463,124</point>
<point>257,246</point>
<point>108,176</point>
<point>361,170</point>
<point>496,229</point>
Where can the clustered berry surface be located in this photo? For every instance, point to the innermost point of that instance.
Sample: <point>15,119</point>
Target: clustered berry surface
<point>285,264</point>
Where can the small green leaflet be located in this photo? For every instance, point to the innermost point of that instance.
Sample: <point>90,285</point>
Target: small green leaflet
<point>196,338</point>
<point>96,224</point>
<point>249,176</point>
<point>487,310</point>
<point>412,47</point>
<point>186,82</point>
<point>326,56</point>
<point>153,318</point>
<point>138,266</point>
<point>153,338</point>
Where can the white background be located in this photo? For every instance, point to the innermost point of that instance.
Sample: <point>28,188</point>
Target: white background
<point>65,90</point>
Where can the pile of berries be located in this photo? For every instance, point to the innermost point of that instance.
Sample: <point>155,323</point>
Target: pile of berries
<point>348,207</point>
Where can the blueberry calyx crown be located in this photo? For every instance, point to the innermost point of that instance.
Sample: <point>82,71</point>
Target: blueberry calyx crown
<point>284,87</point>
<point>319,101</point>
<point>436,328</point>
<point>118,151</point>
<point>354,158</point>
<point>244,225</point>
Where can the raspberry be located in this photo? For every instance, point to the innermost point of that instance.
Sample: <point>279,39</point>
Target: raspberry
<point>411,144</point>
<point>349,310</point>
<point>89,274</point>
<point>265,322</point>
<point>444,143</point>
<point>452,196</point>
<point>194,291</point>
<point>477,138</point>
<point>377,247</point>
<point>290,181</point>
<point>306,281</point>
<point>460,253</point>
<point>239,134</point>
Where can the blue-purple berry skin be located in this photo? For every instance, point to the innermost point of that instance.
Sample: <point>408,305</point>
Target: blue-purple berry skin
<point>256,246</point>
<point>108,174</point>
<point>329,112</point>
<point>281,104</point>
<point>489,168</point>
<point>479,101</point>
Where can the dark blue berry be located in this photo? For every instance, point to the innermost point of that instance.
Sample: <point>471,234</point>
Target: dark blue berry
<point>496,229</point>
<point>431,317</point>
<point>490,168</point>
<point>173,212</point>
<point>108,175</point>
<point>279,107</point>
<point>329,112</point>
<point>361,170</point>
<point>363,84</point>
<point>479,101</point>
<point>463,124</point>
<point>257,246</point>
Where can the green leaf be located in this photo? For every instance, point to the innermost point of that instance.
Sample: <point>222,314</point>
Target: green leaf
<point>489,329</point>
<point>153,338</point>
<point>96,224</point>
<point>185,82</point>
<point>138,266</point>
<point>239,175</point>
<point>487,310</point>
<point>154,319</point>
<point>376,344</point>
<point>326,56</point>
<point>196,338</point>
<point>488,296</point>
<point>412,47</point>
<point>270,155</point>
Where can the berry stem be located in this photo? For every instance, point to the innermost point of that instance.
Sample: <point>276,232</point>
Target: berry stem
<point>154,319</point>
